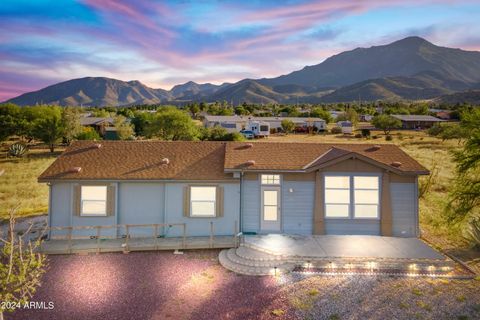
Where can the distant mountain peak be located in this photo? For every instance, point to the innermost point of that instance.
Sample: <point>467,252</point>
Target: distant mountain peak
<point>410,68</point>
<point>412,41</point>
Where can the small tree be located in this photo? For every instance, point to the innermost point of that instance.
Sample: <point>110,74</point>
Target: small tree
<point>322,114</point>
<point>49,127</point>
<point>71,123</point>
<point>21,267</point>
<point>287,125</point>
<point>464,202</point>
<point>123,127</point>
<point>386,123</point>
<point>88,133</point>
<point>194,110</point>
<point>172,124</point>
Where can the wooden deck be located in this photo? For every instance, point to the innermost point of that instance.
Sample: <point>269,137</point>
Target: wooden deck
<point>135,244</point>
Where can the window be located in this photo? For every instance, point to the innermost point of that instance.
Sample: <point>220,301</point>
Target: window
<point>366,195</point>
<point>271,179</point>
<point>270,205</point>
<point>202,201</point>
<point>94,200</point>
<point>360,201</point>
<point>337,196</point>
<point>263,128</point>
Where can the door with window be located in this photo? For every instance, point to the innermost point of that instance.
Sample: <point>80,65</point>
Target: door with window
<point>270,211</point>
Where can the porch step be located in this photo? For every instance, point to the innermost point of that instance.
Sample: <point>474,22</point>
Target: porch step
<point>254,254</point>
<point>230,260</point>
<point>233,255</point>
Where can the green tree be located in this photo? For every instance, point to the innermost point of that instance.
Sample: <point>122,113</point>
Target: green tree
<point>140,121</point>
<point>287,125</point>
<point>49,127</point>
<point>349,115</point>
<point>386,123</point>
<point>88,133</point>
<point>322,114</point>
<point>11,120</point>
<point>123,127</point>
<point>194,110</point>
<point>172,124</point>
<point>21,267</point>
<point>218,133</point>
<point>465,195</point>
<point>71,123</point>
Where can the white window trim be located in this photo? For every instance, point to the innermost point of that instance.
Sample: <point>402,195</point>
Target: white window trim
<point>271,184</point>
<point>214,202</point>
<point>93,214</point>
<point>351,206</point>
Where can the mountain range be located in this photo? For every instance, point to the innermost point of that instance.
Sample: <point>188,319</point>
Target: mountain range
<point>407,69</point>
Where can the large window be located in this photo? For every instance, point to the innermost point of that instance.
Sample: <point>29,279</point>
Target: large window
<point>352,196</point>
<point>337,196</point>
<point>202,201</point>
<point>94,200</point>
<point>366,197</point>
<point>271,179</point>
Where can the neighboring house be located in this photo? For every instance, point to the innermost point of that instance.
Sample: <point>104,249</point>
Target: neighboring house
<point>366,117</point>
<point>238,123</point>
<point>416,121</point>
<point>293,188</point>
<point>346,126</point>
<point>98,123</point>
<point>444,115</point>
<point>110,133</point>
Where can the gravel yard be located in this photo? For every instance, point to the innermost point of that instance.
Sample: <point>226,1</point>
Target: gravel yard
<point>160,285</point>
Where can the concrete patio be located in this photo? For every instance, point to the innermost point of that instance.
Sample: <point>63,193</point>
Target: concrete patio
<point>273,253</point>
<point>344,246</point>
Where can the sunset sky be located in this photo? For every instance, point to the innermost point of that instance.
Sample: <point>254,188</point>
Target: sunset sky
<point>165,43</point>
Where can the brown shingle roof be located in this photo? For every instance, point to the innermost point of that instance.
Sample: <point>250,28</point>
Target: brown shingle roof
<point>142,160</point>
<point>300,156</point>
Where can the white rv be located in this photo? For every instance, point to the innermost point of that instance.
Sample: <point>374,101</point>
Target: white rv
<point>259,128</point>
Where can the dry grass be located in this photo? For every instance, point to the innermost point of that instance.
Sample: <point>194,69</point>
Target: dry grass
<point>19,186</point>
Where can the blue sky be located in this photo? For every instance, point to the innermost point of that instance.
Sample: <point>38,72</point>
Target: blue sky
<point>163,43</point>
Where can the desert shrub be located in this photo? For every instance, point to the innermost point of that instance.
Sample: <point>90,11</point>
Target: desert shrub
<point>88,133</point>
<point>17,150</point>
<point>375,137</point>
<point>366,132</point>
<point>388,138</point>
<point>358,135</point>
<point>472,232</point>
<point>336,130</point>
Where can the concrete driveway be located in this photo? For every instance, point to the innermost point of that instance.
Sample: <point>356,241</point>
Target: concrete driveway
<point>348,246</point>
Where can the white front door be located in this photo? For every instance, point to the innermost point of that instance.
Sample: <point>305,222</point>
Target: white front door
<point>270,210</point>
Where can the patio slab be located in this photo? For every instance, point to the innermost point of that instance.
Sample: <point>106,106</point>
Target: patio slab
<point>343,246</point>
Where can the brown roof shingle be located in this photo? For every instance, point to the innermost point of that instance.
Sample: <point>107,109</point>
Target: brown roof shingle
<point>140,160</point>
<point>202,160</point>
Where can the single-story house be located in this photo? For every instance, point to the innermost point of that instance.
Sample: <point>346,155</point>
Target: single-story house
<point>346,126</point>
<point>98,123</point>
<point>292,188</point>
<point>238,123</point>
<point>417,121</point>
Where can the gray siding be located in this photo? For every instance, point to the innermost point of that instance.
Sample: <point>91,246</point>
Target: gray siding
<point>60,206</point>
<point>404,209</point>
<point>297,206</point>
<point>62,214</point>
<point>251,206</point>
<point>140,203</point>
<point>352,226</point>
<point>145,203</point>
<point>201,226</point>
